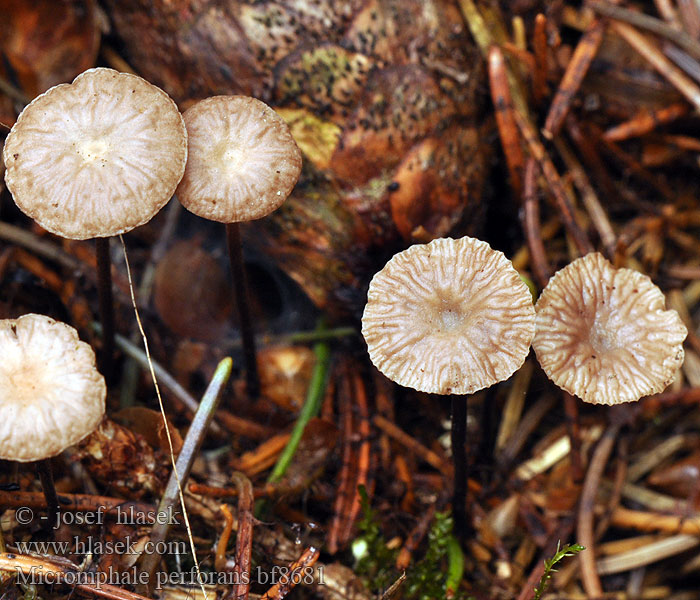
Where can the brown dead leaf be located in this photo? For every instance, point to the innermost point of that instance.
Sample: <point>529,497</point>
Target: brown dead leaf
<point>149,424</point>
<point>681,479</point>
<point>48,42</point>
<point>191,293</point>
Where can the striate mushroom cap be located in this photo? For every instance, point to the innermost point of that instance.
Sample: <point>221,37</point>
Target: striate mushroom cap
<point>51,394</point>
<point>448,317</point>
<point>96,157</point>
<point>243,161</point>
<point>604,334</point>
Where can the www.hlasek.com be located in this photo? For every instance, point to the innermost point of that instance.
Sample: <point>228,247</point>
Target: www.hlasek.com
<point>89,545</point>
<point>276,575</point>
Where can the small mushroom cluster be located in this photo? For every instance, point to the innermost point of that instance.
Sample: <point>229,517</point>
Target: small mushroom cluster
<point>102,155</point>
<point>454,317</point>
<point>96,158</point>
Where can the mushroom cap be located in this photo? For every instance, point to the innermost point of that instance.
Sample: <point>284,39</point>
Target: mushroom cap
<point>96,157</point>
<point>604,334</point>
<point>51,394</point>
<point>243,161</point>
<point>448,317</point>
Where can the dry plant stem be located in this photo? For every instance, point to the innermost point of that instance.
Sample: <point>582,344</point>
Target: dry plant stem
<point>518,27</point>
<point>129,377</point>
<point>356,458</point>
<point>507,129</point>
<point>573,428</point>
<point>635,168</point>
<point>654,405</point>
<point>28,240</point>
<point>45,472</point>
<point>293,575</point>
<point>240,290</point>
<point>561,199</point>
<point>573,77</point>
<point>527,425</point>
<point>458,436</point>
<point>244,536</point>
<point>244,427</point>
<point>363,453</point>
<point>220,559</point>
<point>412,445</point>
<point>584,529</point>
<point>263,456</point>
<point>114,60</point>
<point>168,381</point>
<point>10,90</point>
<point>690,17</point>
<point>666,69</point>
<point>646,122</point>
<point>344,493</point>
<point>106,304</point>
<point>393,589</point>
<point>541,49</point>
<point>414,538</point>
<point>643,21</point>
<point>269,490</point>
<point>591,157</point>
<point>40,567</point>
<point>525,58</point>
<point>654,521</point>
<point>80,502</point>
<point>683,60</point>
<point>616,491</point>
<point>648,554</point>
<point>485,38</point>
<point>531,224</point>
<point>190,448</point>
<point>668,12</point>
<point>590,199</point>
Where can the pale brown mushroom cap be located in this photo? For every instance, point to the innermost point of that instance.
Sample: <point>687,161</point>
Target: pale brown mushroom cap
<point>604,334</point>
<point>51,394</point>
<point>448,317</point>
<point>96,157</point>
<point>243,161</point>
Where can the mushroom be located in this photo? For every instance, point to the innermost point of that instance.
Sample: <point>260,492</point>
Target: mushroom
<point>243,163</point>
<point>96,158</point>
<point>51,394</point>
<point>449,317</point>
<point>604,334</point>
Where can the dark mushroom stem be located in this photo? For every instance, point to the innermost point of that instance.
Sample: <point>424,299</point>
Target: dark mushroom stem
<point>106,306</point>
<point>45,472</point>
<point>240,289</point>
<point>459,458</point>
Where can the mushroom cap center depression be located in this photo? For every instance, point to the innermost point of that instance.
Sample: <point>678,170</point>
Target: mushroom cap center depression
<point>27,384</point>
<point>609,329</point>
<point>603,339</point>
<point>93,149</point>
<point>453,316</point>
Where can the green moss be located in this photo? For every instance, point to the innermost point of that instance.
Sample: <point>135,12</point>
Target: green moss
<point>374,561</point>
<point>571,550</point>
<point>437,575</point>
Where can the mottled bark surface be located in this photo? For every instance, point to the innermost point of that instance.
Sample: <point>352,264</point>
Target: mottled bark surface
<point>381,96</point>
